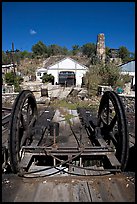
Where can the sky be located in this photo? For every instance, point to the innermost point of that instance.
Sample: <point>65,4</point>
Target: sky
<point>67,24</point>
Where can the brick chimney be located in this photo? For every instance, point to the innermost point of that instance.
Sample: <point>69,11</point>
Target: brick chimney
<point>101,47</point>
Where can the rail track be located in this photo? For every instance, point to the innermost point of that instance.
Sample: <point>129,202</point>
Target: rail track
<point>50,146</point>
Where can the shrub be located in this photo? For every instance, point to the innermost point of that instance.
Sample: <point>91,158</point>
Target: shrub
<point>47,78</point>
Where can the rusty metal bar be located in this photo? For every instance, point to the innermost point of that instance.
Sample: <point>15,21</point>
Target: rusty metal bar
<point>67,151</point>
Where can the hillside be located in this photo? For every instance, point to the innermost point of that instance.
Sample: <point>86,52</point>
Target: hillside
<point>28,66</point>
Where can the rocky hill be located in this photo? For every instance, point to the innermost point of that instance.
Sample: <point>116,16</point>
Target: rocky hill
<point>28,66</point>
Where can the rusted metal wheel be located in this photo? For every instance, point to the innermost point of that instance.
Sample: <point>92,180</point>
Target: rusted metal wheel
<point>23,118</point>
<point>113,124</point>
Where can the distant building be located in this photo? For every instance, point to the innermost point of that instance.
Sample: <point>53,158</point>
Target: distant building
<point>39,73</point>
<point>114,56</point>
<point>6,68</point>
<point>114,53</point>
<point>129,68</point>
<point>63,66</point>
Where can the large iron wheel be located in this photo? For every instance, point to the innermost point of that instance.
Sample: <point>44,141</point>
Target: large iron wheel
<point>23,118</point>
<point>113,124</point>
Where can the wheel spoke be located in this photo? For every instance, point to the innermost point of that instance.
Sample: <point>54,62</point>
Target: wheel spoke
<point>32,121</point>
<point>28,112</point>
<point>103,120</point>
<point>23,139</point>
<point>23,122</point>
<point>107,111</point>
<point>112,123</point>
<point>113,138</point>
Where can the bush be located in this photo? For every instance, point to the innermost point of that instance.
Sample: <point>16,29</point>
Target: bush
<point>104,74</point>
<point>15,80</point>
<point>47,78</point>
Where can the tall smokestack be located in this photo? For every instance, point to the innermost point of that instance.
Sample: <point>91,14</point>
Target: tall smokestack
<point>101,47</point>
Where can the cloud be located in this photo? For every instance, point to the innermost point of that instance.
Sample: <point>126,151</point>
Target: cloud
<point>32,32</point>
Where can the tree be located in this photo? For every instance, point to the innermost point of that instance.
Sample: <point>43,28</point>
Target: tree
<point>24,54</point>
<point>92,79</point>
<point>132,56</point>
<point>39,48</point>
<point>12,79</point>
<point>75,49</point>
<point>124,54</point>
<point>105,74</point>
<point>56,50</point>
<point>89,49</point>
<point>6,58</point>
<point>110,73</point>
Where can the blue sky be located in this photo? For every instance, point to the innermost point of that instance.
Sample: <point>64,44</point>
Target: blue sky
<point>67,24</point>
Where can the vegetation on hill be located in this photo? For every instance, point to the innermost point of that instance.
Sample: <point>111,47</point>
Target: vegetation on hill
<point>105,74</point>
<point>12,79</point>
<point>40,50</point>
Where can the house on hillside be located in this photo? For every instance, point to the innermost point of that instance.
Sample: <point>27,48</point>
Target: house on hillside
<point>6,68</point>
<point>39,73</point>
<point>129,68</point>
<point>64,68</point>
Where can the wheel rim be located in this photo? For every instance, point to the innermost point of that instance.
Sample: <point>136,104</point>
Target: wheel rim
<point>113,125</point>
<point>23,118</point>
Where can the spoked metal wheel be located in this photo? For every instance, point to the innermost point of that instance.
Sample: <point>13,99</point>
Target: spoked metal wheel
<point>23,118</point>
<point>113,125</point>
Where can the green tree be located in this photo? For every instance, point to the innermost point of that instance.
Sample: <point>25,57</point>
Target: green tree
<point>105,74</point>
<point>107,51</point>
<point>75,49</point>
<point>110,73</point>
<point>124,54</point>
<point>24,54</point>
<point>92,79</point>
<point>6,59</point>
<point>12,79</point>
<point>39,48</point>
<point>89,49</point>
<point>132,56</point>
<point>64,51</point>
<point>56,50</point>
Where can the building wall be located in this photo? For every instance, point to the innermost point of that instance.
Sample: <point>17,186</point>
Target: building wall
<point>129,68</point>
<point>39,73</point>
<point>54,72</point>
<point>131,74</point>
<point>67,65</point>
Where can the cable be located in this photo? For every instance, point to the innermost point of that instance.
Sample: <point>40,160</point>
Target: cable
<point>82,174</point>
<point>91,169</point>
<point>79,144</point>
<point>64,162</point>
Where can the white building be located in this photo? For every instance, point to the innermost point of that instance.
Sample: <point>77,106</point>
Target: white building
<point>39,73</point>
<point>66,64</point>
<point>129,68</point>
<point>8,68</point>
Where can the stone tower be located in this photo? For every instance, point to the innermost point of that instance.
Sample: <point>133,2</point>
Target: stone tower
<point>101,47</point>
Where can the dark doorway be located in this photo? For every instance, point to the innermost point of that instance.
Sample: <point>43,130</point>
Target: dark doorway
<point>67,78</point>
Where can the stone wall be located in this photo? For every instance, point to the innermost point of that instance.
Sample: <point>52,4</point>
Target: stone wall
<point>129,103</point>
